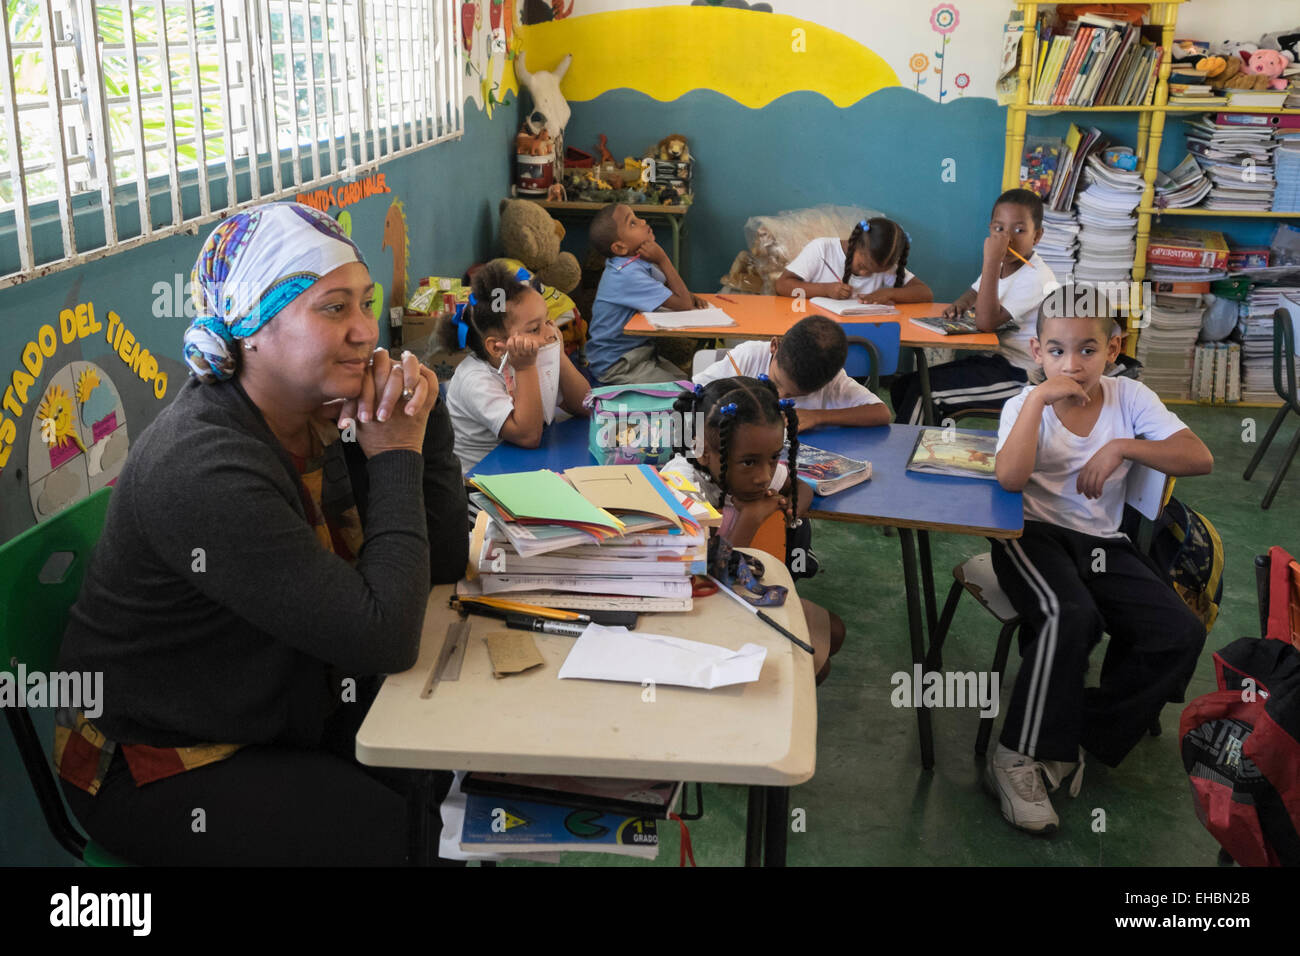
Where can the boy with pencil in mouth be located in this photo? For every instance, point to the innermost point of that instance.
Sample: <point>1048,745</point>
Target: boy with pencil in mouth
<point>1013,282</point>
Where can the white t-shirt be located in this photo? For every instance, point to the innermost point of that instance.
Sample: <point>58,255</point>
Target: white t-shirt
<point>753,359</point>
<point>1020,294</point>
<point>822,260</point>
<point>479,402</point>
<point>1129,410</point>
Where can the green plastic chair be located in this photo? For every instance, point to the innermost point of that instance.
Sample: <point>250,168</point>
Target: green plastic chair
<point>1285,322</point>
<point>40,578</point>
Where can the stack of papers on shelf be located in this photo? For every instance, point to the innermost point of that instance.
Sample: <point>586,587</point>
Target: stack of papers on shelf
<point>1185,185</point>
<point>1108,224</point>
<point>1257,347</point>
<point>1286,162</point>
<point>1238,161</point>
<point>1060,242</point>
<point>1167,346</point>
<point>609,529</point>
<point>1267,99</point>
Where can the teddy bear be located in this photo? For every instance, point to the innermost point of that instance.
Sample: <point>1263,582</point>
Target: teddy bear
<point>1233,76</point>
<point>673,149</point>
<point>529,234</point>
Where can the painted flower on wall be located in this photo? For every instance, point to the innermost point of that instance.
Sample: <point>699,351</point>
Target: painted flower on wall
<point>918,64</point>
<point>962,81</point>
<point>944,19</point>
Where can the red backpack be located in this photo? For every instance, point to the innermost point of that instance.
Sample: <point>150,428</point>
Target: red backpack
<point>1241,744</point>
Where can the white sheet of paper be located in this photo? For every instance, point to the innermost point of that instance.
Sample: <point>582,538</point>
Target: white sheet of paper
<point>548,378</point>
<point>615,653</point>
<point>690,319</point>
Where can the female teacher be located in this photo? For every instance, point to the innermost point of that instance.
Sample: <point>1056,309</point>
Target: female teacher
<point>256,566</point>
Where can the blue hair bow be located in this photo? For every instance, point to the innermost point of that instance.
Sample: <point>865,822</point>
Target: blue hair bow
<point>762,377</point>
<point>473,299</point>
<point>786,403</point>
<point>462,324</point>
<point>866,226</point>
<point>699,390</point>
<point>729,409</point>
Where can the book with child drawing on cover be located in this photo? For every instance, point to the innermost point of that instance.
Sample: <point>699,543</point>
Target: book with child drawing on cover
<point>829,472</point>
<point>962,324</point>
<point>944,451</point>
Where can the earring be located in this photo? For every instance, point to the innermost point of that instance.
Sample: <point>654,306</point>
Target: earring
<point>250,347</point>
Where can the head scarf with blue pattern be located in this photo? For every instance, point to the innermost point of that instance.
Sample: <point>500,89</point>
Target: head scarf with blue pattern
<point>253,265</point>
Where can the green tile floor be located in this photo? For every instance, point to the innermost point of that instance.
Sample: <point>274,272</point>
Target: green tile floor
<point>869,802</point>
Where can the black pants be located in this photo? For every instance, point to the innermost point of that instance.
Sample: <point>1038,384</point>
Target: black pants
<point>980,382</point>
<point>1069,588</point>
<point>263,806</point>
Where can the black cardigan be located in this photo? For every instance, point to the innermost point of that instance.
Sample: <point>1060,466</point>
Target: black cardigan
<point>244,640</point>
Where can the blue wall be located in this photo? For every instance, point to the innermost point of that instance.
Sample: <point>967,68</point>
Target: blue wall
<point>450,192</point>
<point>886,151</point>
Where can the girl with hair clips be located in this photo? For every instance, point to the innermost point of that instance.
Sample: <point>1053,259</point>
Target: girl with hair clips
<point>870,265</point>
<point>258,569</point>
<point>736,464</point>
<point>516,373</point>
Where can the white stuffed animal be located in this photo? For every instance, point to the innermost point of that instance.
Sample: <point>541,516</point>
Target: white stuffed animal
<point>549,106</point>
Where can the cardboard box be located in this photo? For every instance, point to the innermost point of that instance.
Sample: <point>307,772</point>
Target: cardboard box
<point>1190,248</point>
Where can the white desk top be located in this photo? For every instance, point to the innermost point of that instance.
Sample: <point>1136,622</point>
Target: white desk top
<point>759,733</point>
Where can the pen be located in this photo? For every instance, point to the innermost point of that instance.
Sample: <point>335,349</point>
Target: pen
<point>724,298</point>
<point>502,367</point>
<point>761,616</point>
<point>522,622</point>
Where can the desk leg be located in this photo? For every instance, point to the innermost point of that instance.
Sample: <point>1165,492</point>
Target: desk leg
<point>923,372</point>
<point>675,227</point>
<point>754,827</point>
<point>927,581</point>
<point>778,818</point>
<point>419,806</point>
<point>918,643</point>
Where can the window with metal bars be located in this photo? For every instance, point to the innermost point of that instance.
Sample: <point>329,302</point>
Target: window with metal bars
<point>139,119</point>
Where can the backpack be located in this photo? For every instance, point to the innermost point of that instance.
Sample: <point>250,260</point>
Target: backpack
<point>1241,744</point>
<point>1188,551</point>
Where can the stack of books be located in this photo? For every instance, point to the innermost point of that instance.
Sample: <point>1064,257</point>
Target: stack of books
<point>1286,166</point>
<point>1108,225</point>
<point>1189,88</point>
<point>1077,147</point>
<point>1185,185</point>
<point>1094,61</point>
<point>1060,242</point>
<point>1167,344</point>
<point>1237,158</point>
<point>1216,372</point>
<point>1186,255</point>
<point>610,530</point>
<point>1257,347</point>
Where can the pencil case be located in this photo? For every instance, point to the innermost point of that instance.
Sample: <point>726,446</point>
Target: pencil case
<point>636,424</point>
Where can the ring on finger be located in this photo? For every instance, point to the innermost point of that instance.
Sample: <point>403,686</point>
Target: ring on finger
<point>407,393</point>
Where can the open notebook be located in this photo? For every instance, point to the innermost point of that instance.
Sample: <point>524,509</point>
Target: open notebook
<point>852,306</point>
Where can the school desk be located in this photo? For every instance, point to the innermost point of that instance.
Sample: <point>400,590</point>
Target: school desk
<point>909,501</point>
<point>762,734</point>
<point>674,217</point>
<point>763,316</point>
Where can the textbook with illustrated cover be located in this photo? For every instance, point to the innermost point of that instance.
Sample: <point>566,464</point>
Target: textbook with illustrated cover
<point>829,472</point>
<point>963,324</point>
<point>943,451</point>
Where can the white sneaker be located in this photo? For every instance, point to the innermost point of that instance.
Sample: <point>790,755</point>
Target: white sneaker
<point>1056,772</point>
<point>1016,780</point>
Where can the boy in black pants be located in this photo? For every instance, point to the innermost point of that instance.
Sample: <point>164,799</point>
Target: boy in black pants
<point>1068,444</point>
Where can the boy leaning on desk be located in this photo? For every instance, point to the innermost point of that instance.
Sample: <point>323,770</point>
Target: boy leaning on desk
<point>1068,445</point>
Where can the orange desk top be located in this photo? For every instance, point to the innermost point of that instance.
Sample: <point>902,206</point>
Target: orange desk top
<point>762,316</point>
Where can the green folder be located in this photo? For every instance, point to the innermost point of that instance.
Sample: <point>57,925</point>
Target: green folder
<point>543,496</point>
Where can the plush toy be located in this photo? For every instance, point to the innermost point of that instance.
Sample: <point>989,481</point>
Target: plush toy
<point>1269,63</point>
<point>673,149</point>
<point>549,106</point>
<point>1235,77</point>
<point>529,234</point>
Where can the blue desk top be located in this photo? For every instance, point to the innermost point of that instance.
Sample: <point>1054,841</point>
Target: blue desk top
<point>902,498</point>
<point>893,496</point>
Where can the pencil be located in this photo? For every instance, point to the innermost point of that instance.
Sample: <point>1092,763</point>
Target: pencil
<point>724,298</point>
<point>1019,256</point>
<point>759,614</point>
<point>536,610</point>
<point>628,263</point>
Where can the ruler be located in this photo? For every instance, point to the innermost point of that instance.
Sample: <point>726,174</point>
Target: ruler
<point>447,666</point>
<point>598,602</point>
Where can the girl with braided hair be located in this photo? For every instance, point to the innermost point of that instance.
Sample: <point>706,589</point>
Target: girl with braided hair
<point>509,386</point>
<point>871,266</point>
<point>737,463</point>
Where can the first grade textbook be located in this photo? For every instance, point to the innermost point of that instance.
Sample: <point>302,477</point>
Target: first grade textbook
<point>510,824</point>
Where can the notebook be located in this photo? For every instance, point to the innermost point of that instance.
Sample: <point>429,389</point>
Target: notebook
<point>829,472</point>
<point>852,306</point>
<point>944,451</point>
<point>690,319</point>
<point>545,497</point>
<point>963,324</point>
